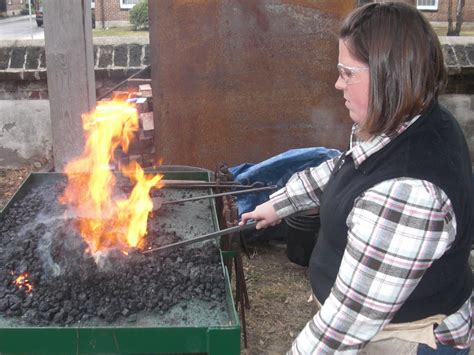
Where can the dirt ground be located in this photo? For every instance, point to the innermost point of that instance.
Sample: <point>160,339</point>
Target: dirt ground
<point>278,292</point>
<point>278,289</point>
<point>10,180</point>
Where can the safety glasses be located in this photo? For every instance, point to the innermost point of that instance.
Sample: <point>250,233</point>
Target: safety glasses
<point>349,74</point>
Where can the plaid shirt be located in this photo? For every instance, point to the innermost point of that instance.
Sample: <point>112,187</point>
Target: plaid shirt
<point>340,325</point>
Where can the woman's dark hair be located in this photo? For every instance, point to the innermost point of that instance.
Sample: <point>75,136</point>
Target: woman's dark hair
<point>405,59</point>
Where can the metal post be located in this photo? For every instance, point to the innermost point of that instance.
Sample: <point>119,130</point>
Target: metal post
<point>31,22</point>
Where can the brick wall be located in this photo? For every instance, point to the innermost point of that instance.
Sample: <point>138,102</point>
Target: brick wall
<point>23,66</point>
<point>108,13</point>
<point>442,14</point>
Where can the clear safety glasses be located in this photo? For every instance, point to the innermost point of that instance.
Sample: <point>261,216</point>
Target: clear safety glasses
<point>349,74</point>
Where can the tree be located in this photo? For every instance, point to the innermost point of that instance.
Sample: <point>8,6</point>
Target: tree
<point>455,30</point>
<point>138,16</point>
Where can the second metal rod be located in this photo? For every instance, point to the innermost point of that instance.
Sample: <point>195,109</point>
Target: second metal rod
<point>272,187</point>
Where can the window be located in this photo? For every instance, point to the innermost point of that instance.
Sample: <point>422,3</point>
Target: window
<point>128,4</point>
<point>427,4</point>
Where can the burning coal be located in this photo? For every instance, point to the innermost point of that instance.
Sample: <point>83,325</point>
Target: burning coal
<point>47,276</point>
<point>22,282</point>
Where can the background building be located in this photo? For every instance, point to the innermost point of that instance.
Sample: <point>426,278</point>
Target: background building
<point>112,13</point>
<point>12,7</point>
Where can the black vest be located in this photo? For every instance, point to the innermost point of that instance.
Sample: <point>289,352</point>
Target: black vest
<point>433,149</point>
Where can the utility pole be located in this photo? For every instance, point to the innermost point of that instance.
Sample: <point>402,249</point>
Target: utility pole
<point>70,71</point>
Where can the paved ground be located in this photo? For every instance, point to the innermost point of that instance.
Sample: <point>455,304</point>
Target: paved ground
<point>20,27</point>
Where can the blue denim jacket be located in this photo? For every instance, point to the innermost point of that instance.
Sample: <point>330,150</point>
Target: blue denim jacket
<point>276,171</point>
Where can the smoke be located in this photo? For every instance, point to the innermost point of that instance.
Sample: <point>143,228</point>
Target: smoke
<point>60,248</point>
<point>44,249</point>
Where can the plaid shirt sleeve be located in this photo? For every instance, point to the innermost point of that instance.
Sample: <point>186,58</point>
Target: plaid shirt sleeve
<point>396,230</point>
<point>303,190</point>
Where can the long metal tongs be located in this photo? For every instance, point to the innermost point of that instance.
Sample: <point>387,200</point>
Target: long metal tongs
<point>248,226</point>
<point>158,202</point>
<point>204,184</point>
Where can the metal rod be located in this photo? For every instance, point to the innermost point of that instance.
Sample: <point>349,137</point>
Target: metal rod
<point>198,184</point>
<point>201,238</point>
<point>272,187</point>
<point>122,83</point>
<point>31,22</point>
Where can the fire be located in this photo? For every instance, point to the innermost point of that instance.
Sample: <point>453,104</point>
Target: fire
<point>23,282</point>
<point>106,220</point>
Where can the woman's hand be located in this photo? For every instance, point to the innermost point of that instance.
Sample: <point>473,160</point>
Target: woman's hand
<point>264,215</point>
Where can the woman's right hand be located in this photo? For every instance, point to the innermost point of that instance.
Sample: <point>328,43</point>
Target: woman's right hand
<point>264,215</point>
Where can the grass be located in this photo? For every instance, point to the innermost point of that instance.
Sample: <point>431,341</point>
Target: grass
<point>129,32</point>
<point>117,32</point>
<point>442,30</point>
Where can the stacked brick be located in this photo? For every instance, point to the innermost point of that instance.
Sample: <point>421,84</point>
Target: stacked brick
<point>141,148</point>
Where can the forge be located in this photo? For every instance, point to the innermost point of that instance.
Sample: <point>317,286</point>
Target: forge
<point>56,297</point>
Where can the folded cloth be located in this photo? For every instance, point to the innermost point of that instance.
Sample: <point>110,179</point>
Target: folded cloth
<point>276,171</point>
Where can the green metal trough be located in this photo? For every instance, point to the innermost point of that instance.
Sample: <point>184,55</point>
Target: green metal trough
<point>191,329</point>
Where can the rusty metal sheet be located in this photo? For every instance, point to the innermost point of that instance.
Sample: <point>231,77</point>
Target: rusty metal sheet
<point>243,80</point>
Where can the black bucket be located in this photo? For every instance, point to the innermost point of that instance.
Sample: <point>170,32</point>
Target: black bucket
<point>302,236</point>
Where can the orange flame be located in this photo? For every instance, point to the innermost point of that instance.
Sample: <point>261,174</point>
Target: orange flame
<point>104,220</point>
<point>23,282</point>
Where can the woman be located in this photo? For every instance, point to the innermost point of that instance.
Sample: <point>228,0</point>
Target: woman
<point>390,267</point>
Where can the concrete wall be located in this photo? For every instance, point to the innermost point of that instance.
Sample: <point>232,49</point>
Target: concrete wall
<point>25,132</point>
<point>25,129</point>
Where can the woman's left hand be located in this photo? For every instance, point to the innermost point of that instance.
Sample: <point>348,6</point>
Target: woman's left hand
<point>264,215</point>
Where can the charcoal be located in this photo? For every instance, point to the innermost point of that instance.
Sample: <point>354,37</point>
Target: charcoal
<point>30,315</point>
<point>70,287</point>
<point>4,304</point>
<point>59,317</point>
<point>82,297</point>
<point>44,306</point>
<point>15,306</point>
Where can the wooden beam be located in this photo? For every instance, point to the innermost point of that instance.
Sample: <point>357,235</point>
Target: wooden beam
<point>70,70</point>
